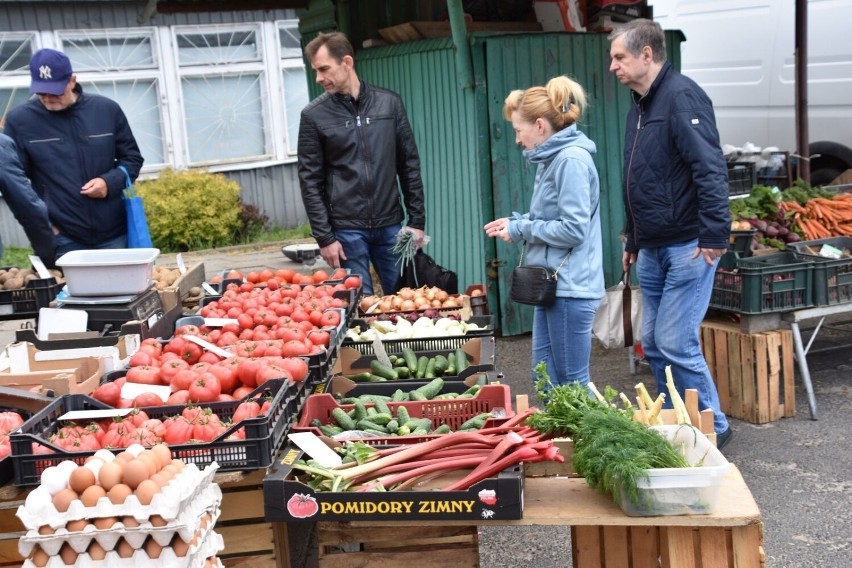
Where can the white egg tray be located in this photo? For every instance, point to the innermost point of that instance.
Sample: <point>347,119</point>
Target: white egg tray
<point>168,504</point>
<point>211,545</point>
<point>186,526</point>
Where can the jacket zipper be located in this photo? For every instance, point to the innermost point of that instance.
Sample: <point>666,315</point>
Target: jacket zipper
<point>365,152</point>
<point>630,168</point>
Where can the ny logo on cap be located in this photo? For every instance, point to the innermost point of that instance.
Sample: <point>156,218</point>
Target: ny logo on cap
<point>44,72</point>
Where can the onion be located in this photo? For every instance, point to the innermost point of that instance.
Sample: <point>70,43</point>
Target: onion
<point>436,303</point>
<point>441,295</point>
<point>367,302</point>
<point>408,305</point>
<point>406,293</point>
<point>396,302</point>
<point>385,306</point>
<point>450,303</point>
<point>421,302</point>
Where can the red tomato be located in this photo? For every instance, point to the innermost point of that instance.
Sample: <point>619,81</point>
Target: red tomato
<point>247,370</point>
<point>178,398</point>
<point>330,318</point>
<point>209,357</point>
<point>268,372</point>
<point>144,375</point>
<point>183,379</point>
<point>108,393</point>
<point>352,282</point>
<point>295,349</point>
<point>147,399</point>
<point>296,366</point>
<point>242,392</point>
<point>141,358</point>
<point>319,337</point>
<point>178,431</point>
<point>227,338</point>
<point>188,329</point>
<point>170,368</point>
<point>226,372</point>
<point>151,345</point>
<point>205,389</point>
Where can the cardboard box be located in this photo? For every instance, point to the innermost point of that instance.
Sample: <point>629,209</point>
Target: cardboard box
<point>22,366</point>
<point>178,292</point>
<point>494,499</point>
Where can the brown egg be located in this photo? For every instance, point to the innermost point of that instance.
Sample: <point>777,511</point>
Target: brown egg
<point>163,453</point>
<point>63,499</point>
<point>91,495</point>
<point>45,530</point>
<point>129,521</point>
<point>178,464</point>
<point>124,549</point>
<point>151,459</point>
<point>161,479</point>
<point>152,549</point>
<point>105,523</point>
<point>40,557</point>
<point>68,555</point>
<point>124,456</point>
<point>96,551</point>
<point>110,474</point>
<point>180,547</point>
<point>135,472</point>
<point>76,526</point>
<point>158,521</point>
<point>81,479</point>
<point>119,493</point>
<point>146,491</point>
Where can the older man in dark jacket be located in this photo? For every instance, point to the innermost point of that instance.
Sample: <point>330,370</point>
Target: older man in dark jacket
<point>354,142</point>
<point>25,205</point>
<point>71,144</point>
<point>676,197</point>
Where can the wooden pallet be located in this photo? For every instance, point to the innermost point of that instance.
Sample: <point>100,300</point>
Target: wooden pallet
<point>343,546</point>
<point>667,547</point>
<point>753,372</point>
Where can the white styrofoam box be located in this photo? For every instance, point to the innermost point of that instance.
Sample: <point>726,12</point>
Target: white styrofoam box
<point>108,272</point>
<point>169,503</point>
<point>681,491</point>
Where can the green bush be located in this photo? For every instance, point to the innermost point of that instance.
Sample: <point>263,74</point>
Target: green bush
<point>191,210</point>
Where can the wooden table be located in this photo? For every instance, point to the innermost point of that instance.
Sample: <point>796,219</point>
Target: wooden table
<point>603,536</point>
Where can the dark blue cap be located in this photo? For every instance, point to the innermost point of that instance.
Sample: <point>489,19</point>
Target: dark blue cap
<point>50,71</point>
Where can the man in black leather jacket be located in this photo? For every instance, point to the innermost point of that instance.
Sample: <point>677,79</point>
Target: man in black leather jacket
<point>354,142</point>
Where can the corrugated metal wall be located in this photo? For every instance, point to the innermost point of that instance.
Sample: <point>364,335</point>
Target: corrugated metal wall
<point>446,127</point>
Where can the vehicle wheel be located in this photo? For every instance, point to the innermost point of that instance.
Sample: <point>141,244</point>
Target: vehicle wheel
<point>830,160</point>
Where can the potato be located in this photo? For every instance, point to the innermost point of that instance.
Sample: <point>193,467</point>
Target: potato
<point>13,283</point>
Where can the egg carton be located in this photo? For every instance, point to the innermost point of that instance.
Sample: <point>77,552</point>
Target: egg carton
<point>185,527</point>
<point>210,545</point>
<point>168,504</point>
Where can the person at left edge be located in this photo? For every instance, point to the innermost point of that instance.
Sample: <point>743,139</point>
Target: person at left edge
<point>71,144</point>
<point>24,204</point>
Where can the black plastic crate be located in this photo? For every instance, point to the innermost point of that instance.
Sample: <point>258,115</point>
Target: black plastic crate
<point>395,346</point>
<point>740,242</point>
<point>832,277</point>
<point>742,177</point>
<point>24,303</point>
<point>773,283</point>
<point>264,434</point>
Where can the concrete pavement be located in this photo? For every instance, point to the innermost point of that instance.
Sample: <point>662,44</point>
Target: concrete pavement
<point>797,469</point>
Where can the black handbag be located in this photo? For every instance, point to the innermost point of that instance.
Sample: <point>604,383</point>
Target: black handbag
<point>424,271</point>
<point>534,285</point>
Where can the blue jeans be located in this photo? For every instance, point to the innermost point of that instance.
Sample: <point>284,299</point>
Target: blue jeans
<point>362,246</point>
<point>562,338</point>
<point>677,288</point>
<point>64,244</point>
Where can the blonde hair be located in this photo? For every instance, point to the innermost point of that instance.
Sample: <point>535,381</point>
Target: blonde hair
<point>561,102</point>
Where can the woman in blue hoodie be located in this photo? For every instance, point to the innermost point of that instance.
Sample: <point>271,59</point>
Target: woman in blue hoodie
<point>562,229</point>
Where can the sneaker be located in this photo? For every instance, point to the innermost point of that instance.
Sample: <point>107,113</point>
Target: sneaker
<point>723,438</point>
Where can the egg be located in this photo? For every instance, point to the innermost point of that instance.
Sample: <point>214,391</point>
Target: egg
<point>152,549</point>
<point>76,526</point>
<point>135,449</point>
<point>94,465</point>
<point>129,522</point>
<point>53,480</point>
<point>178,464</point>
<point>179,547</point>
<point>45,530</point>
<point>105,523</point>
<point>119,493</point>
<point>146,491</point>
<point>110,474</point>
<point>124,549</point>
<point>158,521</point>
<point>135,472</point>
<point>81,479</point>
<point>40,557</point>
<point>96,551</point>
<point>63,499</point>
<point>37,500</point>
<point>160,479</point>
<point>105,455</point>
<point>149,459</point>
<point>68,554</point>
<point>91,495</point>
<point>163,453</point>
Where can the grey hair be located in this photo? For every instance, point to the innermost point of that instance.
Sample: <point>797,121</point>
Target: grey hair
<point>640,33</point>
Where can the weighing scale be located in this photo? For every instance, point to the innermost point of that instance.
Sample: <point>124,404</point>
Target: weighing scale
<point>108,313</point>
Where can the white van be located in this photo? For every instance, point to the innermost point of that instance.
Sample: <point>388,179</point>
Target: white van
<point>742,53</point>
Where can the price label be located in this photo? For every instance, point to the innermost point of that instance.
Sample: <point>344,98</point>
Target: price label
<point>181,264</point>
<point>41,269</point>
<point>380,353</point>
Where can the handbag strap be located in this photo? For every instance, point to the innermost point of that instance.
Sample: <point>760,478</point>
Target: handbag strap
<point>627,309</point>
<point>558,268</point>
<point>128,183</point>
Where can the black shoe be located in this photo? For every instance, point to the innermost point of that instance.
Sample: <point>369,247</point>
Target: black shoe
<point>723,438</point>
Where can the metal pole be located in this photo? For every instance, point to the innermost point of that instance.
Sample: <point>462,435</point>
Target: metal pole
<point>464,61</point>
<point>802,142</point>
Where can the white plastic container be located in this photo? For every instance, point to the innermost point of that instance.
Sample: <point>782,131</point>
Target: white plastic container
<point>681,491</point>
<point>108,272</point>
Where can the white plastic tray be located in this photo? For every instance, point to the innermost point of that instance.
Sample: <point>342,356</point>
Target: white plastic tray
<point>108,272</point>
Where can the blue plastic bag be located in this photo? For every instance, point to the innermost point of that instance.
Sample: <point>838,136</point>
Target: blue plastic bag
<point>137,223</point>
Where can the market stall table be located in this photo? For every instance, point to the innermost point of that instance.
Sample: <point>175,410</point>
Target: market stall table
<point>794,318</point>
<point>603,536</point>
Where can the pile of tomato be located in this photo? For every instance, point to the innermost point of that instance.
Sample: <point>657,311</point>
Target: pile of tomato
<point>9,421</point>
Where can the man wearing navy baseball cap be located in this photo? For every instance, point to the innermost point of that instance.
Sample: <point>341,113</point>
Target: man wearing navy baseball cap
<point>71,145</point>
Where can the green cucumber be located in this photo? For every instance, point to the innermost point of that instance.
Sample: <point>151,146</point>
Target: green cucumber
<point>382,370</point>
<point>343,420</point>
